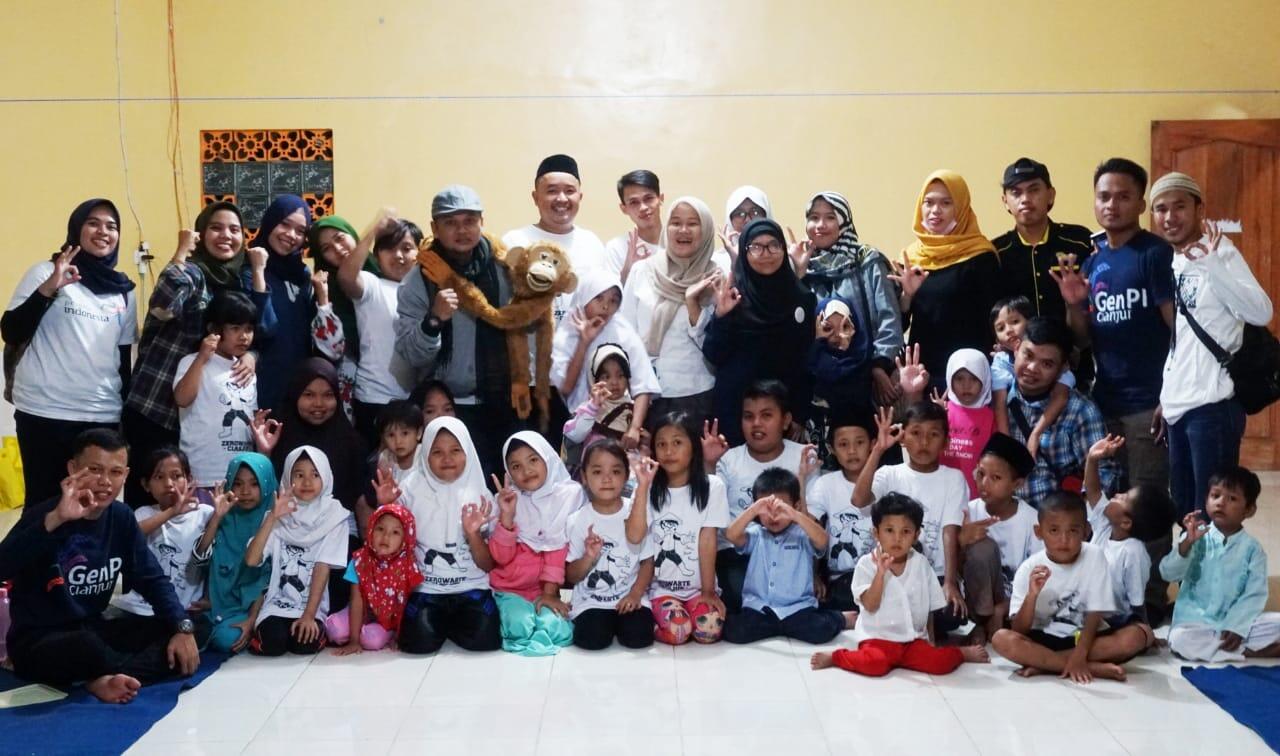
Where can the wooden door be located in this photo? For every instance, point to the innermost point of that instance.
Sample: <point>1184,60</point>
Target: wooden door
<point>1237,164</point>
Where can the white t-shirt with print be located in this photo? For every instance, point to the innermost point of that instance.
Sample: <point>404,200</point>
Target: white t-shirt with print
<point>444,556</point>
<point>173,544</point>
<point>739,470</point>
<point>849,530</point>
<point>1072,591</point>
<point>674,531</point>
<point>905,603</point>
<point>583,248</point>
<point>1016,537</point>
<point>615,572</point>
<point>71,368</point>
<point>382,375</point>
<point>1128,563</point>
<point>943,493</point>
<point>291,567</point>
<point>218,424</point>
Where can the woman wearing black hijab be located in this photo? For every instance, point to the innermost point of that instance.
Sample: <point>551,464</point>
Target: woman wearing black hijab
<point>762,328</point>
<point>75,318</point>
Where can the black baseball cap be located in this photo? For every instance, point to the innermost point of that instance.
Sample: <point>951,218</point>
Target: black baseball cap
<point>1025,169</point>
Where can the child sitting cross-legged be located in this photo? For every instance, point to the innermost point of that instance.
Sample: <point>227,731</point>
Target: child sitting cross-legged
<point>897,590</point>
<point>382,575</point>
<point>939,489</point>
<point>781,543</point>
<point>1223,569</point>
<point>1060,597</point>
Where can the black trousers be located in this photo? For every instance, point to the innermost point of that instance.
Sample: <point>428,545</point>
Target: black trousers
<point>731,573</point>
<point>45,444</point>
<point>366,416</point>
<point>490,427</point>
<point>272,637</point>
<point>812,625</point>
<point>468,619</point>
<point>840,593</point>
<point>131,645</point>
<point>144,436</point>
<point>595,629</point>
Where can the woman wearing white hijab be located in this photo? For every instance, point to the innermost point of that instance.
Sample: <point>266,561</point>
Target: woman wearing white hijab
<point>453,509</point>
<point>304,535</point>
<point>667,300</point>
<point>745,204</point>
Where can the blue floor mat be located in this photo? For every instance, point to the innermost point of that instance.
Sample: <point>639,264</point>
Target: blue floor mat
<point>1249,694</point>
<point>81,724</point>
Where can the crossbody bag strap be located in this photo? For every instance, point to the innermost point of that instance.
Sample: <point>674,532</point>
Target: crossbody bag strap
<point>1221,355</point>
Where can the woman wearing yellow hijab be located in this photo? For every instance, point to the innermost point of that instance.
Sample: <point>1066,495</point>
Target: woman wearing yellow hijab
<point>950,276</point>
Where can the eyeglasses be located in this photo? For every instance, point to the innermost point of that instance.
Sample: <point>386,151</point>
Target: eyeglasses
<point>769,248</point>
<point>751,214</point>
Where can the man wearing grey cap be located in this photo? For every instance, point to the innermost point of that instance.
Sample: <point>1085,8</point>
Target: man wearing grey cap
<point>468,355</point>
<point>1215,286</point>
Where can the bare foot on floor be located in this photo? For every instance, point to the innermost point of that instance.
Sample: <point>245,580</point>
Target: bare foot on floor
<point>821,660</point>
<point>118,689</point>
<point>850,618</point>
<point>1029,672</point>
<point>1108,671</point>
<point>975,654</point>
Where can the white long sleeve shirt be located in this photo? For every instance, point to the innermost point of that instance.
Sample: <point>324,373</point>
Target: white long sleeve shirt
<point>1222,293</point>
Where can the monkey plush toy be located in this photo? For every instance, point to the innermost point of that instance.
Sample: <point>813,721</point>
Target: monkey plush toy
<point>537,274</point>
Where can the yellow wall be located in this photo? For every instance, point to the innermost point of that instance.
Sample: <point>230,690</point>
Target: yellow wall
<point>862,97</point>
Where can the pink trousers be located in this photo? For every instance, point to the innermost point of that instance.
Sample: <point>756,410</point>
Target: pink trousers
<point>373,636</point>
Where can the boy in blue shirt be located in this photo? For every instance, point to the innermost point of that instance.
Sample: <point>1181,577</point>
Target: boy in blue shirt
<point>1218,616</point>
<point>777,594</point>
<point>64,557</point>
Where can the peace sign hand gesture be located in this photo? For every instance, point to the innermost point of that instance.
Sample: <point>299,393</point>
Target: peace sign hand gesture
<point>800,253</point>
<point>507,498</point>
<point>64,273</point>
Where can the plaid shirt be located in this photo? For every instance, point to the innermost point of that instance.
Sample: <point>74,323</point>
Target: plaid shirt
<point>1063,447</point>
<point>180,296</point>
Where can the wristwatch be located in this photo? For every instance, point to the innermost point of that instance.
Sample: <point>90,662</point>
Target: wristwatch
<point>185,626</point>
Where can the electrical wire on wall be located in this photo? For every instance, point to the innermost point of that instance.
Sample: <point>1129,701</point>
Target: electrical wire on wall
<point>175,126</point>
<point>142,253</point>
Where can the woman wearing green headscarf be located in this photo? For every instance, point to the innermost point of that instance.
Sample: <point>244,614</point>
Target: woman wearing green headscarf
<point>208,259</point>
<point>369,271</point>
<point>235,589</point>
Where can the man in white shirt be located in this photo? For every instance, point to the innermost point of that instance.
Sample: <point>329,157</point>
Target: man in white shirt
<point>1213,286</point>
<point>640,199</point>
<point>557,193</point>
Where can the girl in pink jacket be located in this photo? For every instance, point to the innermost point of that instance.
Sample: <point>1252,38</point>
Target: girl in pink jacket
<point>529,544</point>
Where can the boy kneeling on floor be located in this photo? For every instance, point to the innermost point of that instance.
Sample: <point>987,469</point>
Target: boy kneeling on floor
<point>1060,597</point>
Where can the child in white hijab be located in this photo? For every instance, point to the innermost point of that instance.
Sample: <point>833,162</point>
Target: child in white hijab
<point>303,535</point>
<point>529,544</point>
<point>453,509</point>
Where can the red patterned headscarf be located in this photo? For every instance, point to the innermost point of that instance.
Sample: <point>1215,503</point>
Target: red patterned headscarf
<point>385,583</point>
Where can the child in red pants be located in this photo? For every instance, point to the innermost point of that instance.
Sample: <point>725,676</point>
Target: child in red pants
<point>896,589</point>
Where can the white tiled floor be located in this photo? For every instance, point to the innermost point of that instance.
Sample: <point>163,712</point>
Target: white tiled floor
<point>760,699</point>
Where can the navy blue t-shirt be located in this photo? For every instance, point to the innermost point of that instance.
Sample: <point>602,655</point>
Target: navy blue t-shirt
<point>1130,338</point>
